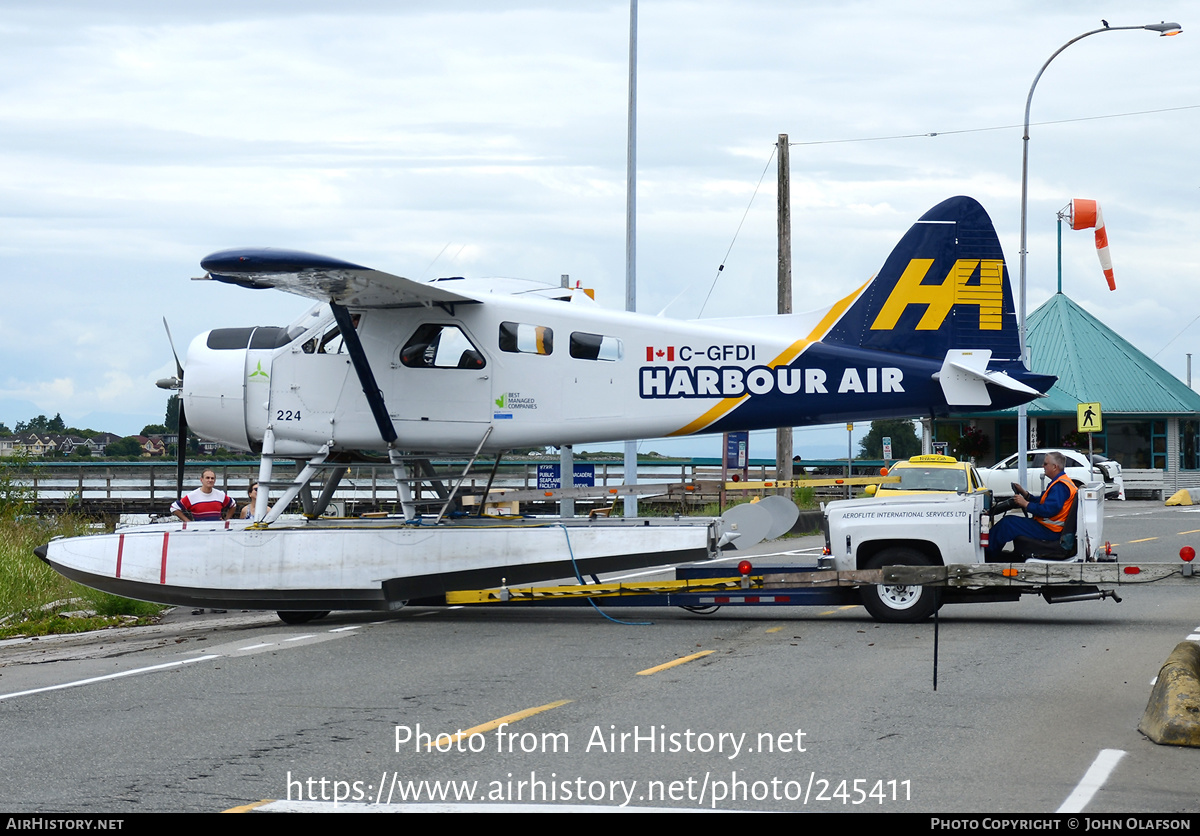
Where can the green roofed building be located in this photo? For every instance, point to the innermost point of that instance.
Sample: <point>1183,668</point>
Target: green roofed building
<point>1151,419</point>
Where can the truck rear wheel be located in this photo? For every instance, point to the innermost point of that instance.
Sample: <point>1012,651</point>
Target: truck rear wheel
<point>898,603</point>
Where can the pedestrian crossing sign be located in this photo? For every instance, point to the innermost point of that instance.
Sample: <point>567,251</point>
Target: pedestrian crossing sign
<point>1089,418</point>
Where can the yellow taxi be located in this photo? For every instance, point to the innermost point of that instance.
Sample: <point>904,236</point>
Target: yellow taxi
<point>929,474</point>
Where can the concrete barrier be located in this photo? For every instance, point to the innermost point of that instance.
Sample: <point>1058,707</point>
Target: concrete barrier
<point>1172,716</point>
<point>1185,496</point>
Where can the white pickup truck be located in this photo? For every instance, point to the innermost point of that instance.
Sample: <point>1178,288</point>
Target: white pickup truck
<point>932,530</point>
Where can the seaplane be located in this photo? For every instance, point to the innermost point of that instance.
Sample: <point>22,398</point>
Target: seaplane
<point>384,365</point>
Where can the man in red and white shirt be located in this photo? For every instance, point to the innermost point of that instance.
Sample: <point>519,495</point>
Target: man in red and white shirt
<point>205,503</point>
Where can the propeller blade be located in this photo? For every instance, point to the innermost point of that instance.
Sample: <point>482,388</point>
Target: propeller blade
<point>178,365</point>
<point>180,449</point>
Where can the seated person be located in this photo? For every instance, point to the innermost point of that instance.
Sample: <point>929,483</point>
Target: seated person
<point>1049,512</point>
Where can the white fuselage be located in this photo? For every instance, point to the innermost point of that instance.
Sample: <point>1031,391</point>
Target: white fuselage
<point>538,371</point>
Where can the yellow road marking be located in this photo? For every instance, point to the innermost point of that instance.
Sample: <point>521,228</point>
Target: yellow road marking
<point>666,665</point>
<point>1143,540</point>
<point>499,721</point>
<point>774,629</point>
<point>1193,531</point>
<point>246,808</point>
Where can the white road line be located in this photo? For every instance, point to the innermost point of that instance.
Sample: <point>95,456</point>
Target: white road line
<point>107,677</point>
<point>791,552</point>
<point>345,629</point>
<point>301,638</point>
<point>1097,774</point>
<point>256,646</point>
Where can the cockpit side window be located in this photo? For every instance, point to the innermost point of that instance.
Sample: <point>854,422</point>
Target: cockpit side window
<point>329,340</point>
<point>441,347</point>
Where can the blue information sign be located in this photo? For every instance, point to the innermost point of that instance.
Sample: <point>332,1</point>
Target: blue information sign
<point>737,450</point>
<point>548,476</point>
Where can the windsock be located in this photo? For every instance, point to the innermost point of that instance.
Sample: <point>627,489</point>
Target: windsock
<point>1085,214</point>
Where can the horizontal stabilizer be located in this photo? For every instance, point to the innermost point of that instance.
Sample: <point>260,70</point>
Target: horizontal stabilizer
<point>322,278</point>
<point>964,377</point>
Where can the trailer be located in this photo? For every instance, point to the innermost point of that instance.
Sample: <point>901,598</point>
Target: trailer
<point>700,588</point>
<point>901,557</point>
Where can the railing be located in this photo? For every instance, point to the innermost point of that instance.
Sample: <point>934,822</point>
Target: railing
<point>149,487</point>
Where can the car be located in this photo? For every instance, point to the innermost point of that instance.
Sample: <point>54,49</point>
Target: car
<point>1000,476</point>
<point>930,474</point>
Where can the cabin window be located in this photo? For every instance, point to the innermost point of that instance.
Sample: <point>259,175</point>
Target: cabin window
<point>441,347</point>
<point>329,340</point>
<point>595,347</point>
<point>519,338</point>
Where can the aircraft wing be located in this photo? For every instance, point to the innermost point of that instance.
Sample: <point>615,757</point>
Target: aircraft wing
<point>322,278</point>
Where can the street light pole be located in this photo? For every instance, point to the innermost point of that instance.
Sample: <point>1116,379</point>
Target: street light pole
<point>1163,29</point>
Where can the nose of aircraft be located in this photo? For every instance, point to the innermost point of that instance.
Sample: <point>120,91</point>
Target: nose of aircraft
<point>214,386</point>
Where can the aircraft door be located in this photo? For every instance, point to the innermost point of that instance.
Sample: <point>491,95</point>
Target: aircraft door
<point>440,375</point>
<point>306,387</point>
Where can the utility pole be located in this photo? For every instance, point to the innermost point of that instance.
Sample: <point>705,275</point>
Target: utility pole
<point>783,435</point>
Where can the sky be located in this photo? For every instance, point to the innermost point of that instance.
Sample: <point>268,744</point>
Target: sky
<point>488,139</point>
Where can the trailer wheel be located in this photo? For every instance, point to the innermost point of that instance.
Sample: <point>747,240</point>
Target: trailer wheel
<point>896,603</point>
<point>300,616</point>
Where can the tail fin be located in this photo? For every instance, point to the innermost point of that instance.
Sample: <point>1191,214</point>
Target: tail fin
<point>944,287</point>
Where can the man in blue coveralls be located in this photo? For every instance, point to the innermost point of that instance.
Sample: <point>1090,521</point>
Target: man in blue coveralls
<point>1049,512</point>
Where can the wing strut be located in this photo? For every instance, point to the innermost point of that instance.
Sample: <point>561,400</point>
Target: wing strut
<point>365,376</point>
<point>379,412</point>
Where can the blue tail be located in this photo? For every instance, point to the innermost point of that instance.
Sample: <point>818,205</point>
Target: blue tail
<point>945,286</point>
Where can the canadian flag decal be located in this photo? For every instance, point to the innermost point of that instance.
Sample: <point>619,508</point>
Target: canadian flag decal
<point>660,354</point>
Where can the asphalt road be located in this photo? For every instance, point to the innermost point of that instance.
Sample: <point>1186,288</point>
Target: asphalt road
<point>787,709</point>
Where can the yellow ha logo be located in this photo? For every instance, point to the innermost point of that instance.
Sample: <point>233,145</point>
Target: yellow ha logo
<point>988,295</point>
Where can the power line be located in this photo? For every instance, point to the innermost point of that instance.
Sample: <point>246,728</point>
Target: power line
<point>1174,338</point>
<point>735,234</point>
<point>996,127</point>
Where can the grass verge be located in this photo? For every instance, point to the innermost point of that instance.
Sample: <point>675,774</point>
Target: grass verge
<point>36,601</point>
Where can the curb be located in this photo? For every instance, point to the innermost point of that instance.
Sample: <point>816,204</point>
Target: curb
<point>1172,716</point>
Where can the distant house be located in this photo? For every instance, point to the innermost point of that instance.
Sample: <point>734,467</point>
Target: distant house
<point>66,444</point>
<point>97,443</point>
<point>151,446</point>
<point>32,445</point>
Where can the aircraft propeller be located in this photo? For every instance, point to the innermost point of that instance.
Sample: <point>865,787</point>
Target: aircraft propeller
<point>176,384</point>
